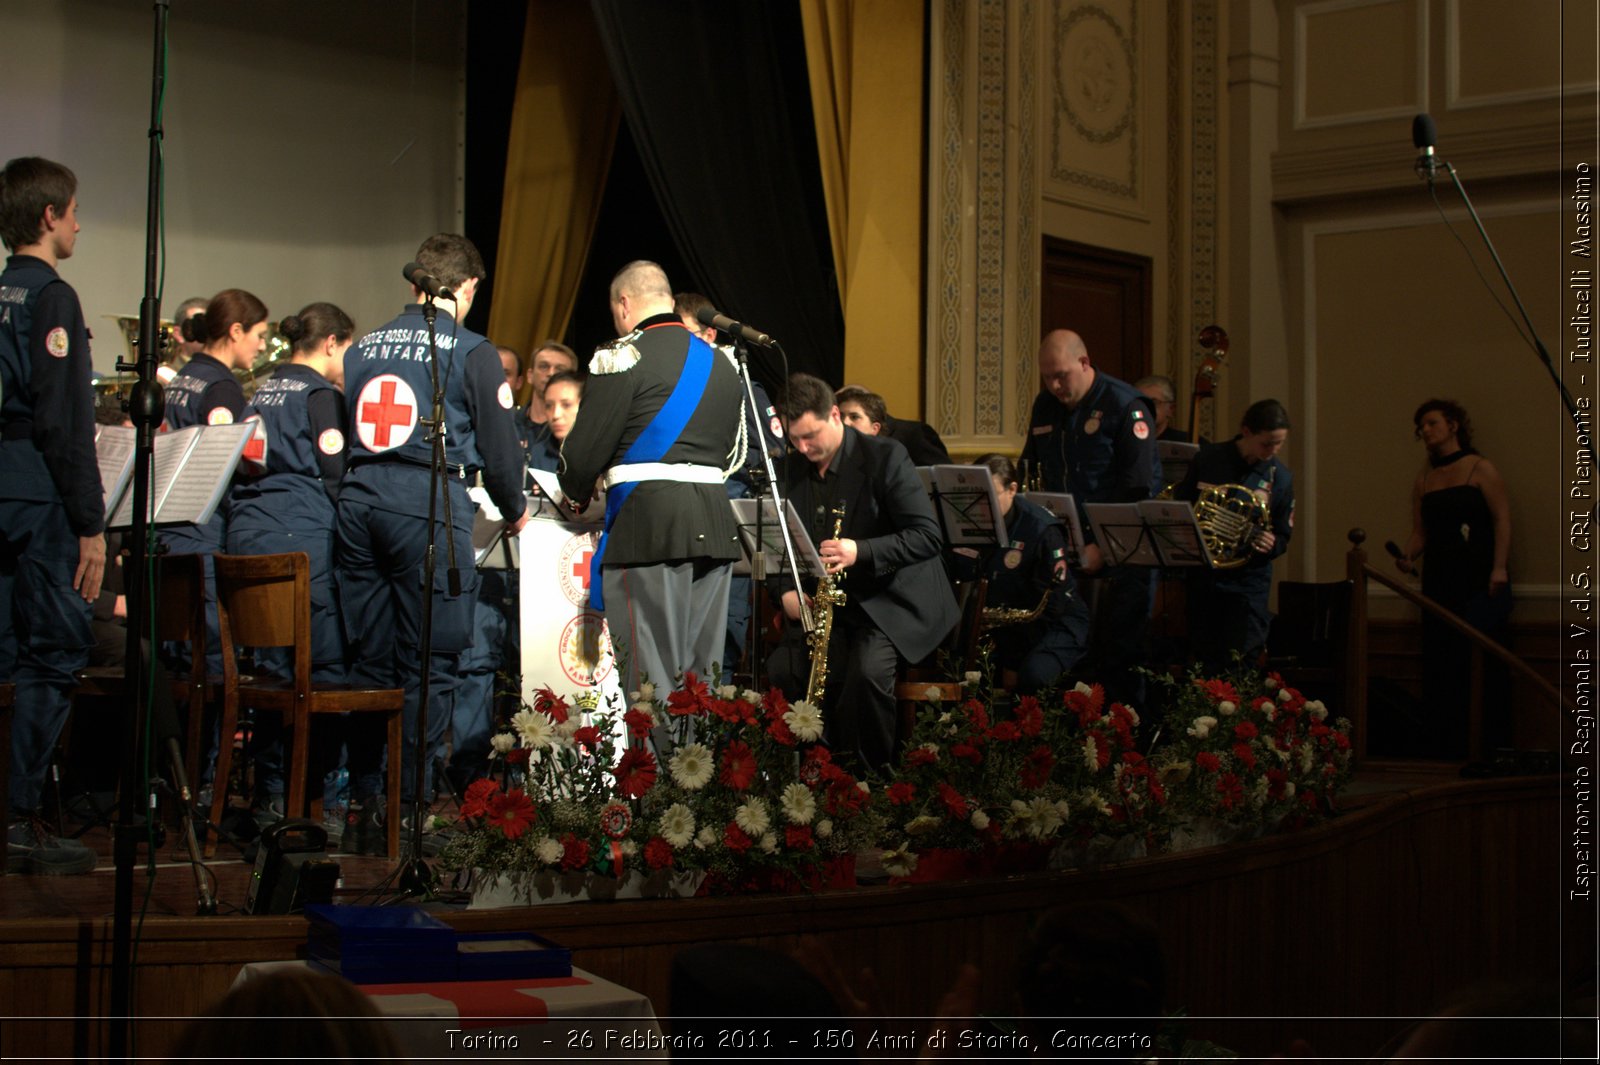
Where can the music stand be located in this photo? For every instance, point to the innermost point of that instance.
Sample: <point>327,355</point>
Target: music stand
<point>1064,508</point>
<point>761,535</point>
<point>966,505</point>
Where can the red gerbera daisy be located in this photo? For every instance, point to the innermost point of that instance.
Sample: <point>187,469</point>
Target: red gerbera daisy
<point>548,702</point>
<point>574,852</point>
<point>512,814</point>
<point>475,803</point>
<point>635,772</point>
<point>738,768</point>
<point>658,853</point>
<point>735,839</point>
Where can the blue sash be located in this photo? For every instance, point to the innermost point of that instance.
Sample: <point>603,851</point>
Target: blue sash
<point>653,445</point>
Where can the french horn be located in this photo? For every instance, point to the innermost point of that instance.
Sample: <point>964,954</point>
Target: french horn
<point>1229,516</point>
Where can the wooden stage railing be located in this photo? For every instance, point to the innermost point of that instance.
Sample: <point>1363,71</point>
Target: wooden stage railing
<point>1359,573</point>
<point>1377,914</point>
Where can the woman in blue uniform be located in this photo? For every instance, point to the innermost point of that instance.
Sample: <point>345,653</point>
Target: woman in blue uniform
<point>283,499</point>
<point>563,394</point>
<point>1031,574</point>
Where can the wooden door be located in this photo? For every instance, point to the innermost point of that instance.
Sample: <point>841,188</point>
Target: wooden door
<point>1103,296</point>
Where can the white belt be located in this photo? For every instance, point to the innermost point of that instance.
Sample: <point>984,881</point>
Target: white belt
<point>684,472</point>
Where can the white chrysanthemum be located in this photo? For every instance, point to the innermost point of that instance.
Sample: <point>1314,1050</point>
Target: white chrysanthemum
<point>1307,758</point>
<point>647,691</point>
<point>804,720</point>
<point>1202,726</point>
<point>931,748</point>
<point>921,824</point>
<point>1227,708</point>
<point>751,696</point>
<point>979,819</point>
<point>628,848</point>
<point>706,837</point>
<point>971,677</point>
<point>1082,689</point>
<point>691,766</point>
<point>1258,794</point>
<point>727,691</point>
<point>1021,818</point>
<point>768,844</point>
<point>1133,715</point>
<point>550,851</point>
<point>1288,789</point>
<point>934,693</point>
<point>1091,754</point>
<point>863,787</point>
<point>502,742</point>
<point>1091,797</point>
<point>1044,820</point>
<point>1285,695</point>
<point>534,729</point>
<point>1270,712</point>
<point>1062,809</point>
<point>1317,710</point>
<point>677,825</point>
<point>752,816</point>
<point>825,828</point>
<point>900,862</point>
<point>799,805</point>
<point>944,718</point>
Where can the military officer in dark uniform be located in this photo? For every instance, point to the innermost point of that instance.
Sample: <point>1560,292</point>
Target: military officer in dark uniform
<point>898,601</point>
<point>52,521</point>
<point>1228,607</point>
<point>1093,435</point>
<point>1031,574</point>
<point>661,420</point>
<point>383,530</point>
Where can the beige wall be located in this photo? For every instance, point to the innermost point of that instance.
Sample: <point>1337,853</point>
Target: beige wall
<point>306,155</point>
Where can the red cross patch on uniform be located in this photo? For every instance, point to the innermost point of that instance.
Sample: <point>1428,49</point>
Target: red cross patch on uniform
<point>1141,429</point>
<point>386,413</point>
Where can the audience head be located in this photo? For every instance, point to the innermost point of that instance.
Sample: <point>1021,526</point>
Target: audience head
<point>510,365</point>
<point>862,409</point>
<point>1004,473</point>
<point>319,336</point>
<point>1263,430</point>
<point>1064,368</point>
<point>550,358</point>
<point>1163,397</point>
<point>1439,422</point>
<point>687,305</point>
<point>291,1016</point>
<point>815,428</point>
<point>639,291</point>
<point>233,329</point>
<point>39,206</point>
<point>563,395</point>
<point>456,262</point>
<point>715,984</point>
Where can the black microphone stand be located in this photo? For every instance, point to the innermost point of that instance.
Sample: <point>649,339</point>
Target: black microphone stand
<point>145,403</point>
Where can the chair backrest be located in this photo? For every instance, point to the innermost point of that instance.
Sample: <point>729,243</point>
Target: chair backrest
<point>265,601</point>
<point>181,600</point>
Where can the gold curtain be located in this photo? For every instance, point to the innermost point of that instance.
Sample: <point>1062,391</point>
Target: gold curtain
<point>867,71</point>
<point>563,130</point>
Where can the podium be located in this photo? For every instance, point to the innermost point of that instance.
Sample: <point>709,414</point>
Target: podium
<point>565,644</point>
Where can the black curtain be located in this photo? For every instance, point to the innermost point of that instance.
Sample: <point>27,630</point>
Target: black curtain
<point>716,99</point>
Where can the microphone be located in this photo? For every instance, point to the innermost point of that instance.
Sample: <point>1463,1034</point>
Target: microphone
<point>1423,137</point>
<point>1393,549</point>
<point>425,282</point>
<point>709,316</point>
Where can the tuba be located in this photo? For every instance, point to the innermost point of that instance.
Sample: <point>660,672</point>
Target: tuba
<point>1229,516</point>
<point>828,596</point>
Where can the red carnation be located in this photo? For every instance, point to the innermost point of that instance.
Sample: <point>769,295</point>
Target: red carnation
<point>1245,755</point>
<point>1102,748</point>
<point>517,756</point>
<point>738,768</point>
<point>639,723</point>
<point>1229,791</point>
<point>779,730</point>
<point>1086,707</point>
<point>735,839</point>
<point>587,736</point>
<point>921,756</point>
<point>844,799</point>
<point>691,697</point>
<point>574,852</point>
<point>1276,780</point>
<point>901,792</point>
<point>548,702</point>
<point>797,837</point>
<point>954,803</point>
<point>475,803</point>
<point>1030,716</point>
<point>774,703</point>
<point>658,853</point>
<point>1006,732</point>
<point>1208,761</point>
<point>1245,730</point>
<point>635,773</point>
<point>511,814</point>
<point>726,710</point>
<point>1036,768</point>
<point>1219,691</point>
<point>977,715</point>
<point>966,752</point>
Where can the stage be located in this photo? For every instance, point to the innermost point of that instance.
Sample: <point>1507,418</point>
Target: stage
<point>1286,929</point>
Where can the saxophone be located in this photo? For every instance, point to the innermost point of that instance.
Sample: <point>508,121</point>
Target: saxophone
<point>828,596</point>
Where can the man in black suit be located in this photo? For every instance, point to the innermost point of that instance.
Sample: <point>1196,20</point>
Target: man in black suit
<point>660,420</point>
<point>864,411</point>
<point>898,600</point>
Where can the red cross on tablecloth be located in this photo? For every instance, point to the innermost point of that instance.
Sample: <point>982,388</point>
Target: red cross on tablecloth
<point>480,1003</point>
<point>580,568</point>
<point>385,414</point>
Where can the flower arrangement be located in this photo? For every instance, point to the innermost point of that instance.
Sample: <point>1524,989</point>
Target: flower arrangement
<point>1250,751</point>
<point>746,792</point>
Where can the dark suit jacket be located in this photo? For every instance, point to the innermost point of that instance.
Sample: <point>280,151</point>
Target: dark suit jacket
<point>920,439</point>
<point>898,579</point>
<point>629,382</point>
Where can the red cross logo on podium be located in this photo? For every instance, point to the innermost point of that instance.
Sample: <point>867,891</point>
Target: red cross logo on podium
<point>580,568</point>
<point>386,404</point>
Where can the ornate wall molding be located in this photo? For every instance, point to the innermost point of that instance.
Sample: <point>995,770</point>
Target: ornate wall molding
<point>1205,45</point>
<point>1095,117</point>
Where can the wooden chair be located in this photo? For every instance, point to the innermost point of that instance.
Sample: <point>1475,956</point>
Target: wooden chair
<point>962,644</point>
<point>180,618</point>
<point>8,699</point>
<point>265,601</point>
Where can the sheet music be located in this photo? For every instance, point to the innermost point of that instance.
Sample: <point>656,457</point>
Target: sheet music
<point>170,449</point>
<point>1176,535</point>
<point>114,446</point>
<point>744,515</point>
<point>1120,530</point>
<point>191,471</point>
<point>967,506</point>
<point>1064,507</point>
<point>1176,456</point>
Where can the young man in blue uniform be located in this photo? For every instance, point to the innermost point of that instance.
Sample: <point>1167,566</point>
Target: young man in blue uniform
<point>661,421</point>
<point>1094,436</point>
<point>1228,607</point>
<point>383,531</point>
<point>52,520</point>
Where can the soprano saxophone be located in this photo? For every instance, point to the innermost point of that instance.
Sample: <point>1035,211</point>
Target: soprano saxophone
<point>828,596</point>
